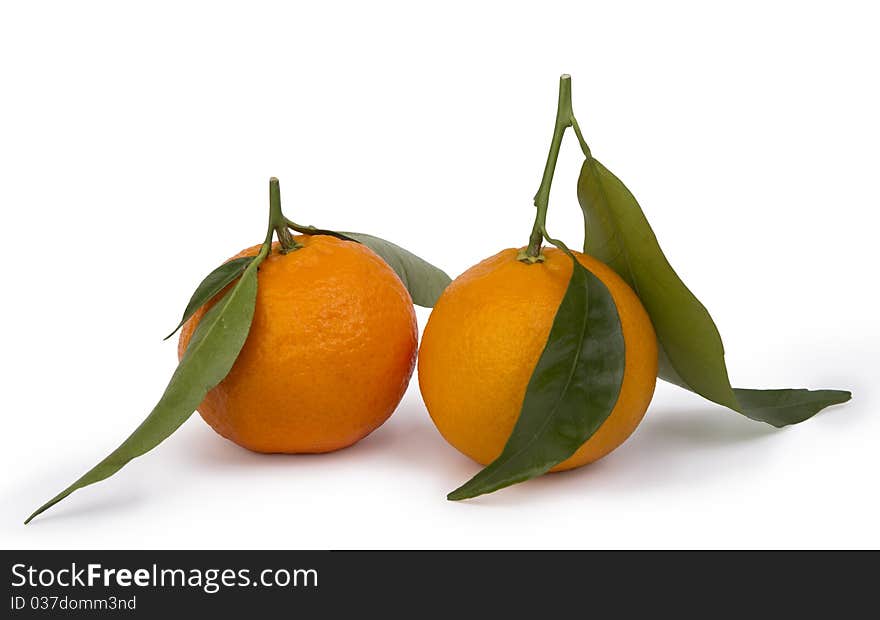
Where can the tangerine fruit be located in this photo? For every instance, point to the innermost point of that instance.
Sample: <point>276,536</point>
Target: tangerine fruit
<point>329,354</point>
<point>485,336</point>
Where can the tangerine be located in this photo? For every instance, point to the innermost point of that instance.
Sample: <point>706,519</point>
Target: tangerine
<point>485,336</point>
<point>329,354</point>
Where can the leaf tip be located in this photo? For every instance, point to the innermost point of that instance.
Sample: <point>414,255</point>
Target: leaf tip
<point>465,491</point>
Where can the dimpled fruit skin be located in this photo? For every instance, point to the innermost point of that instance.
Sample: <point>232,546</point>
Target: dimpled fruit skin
<point>329,354</point>
<point>485,336</point>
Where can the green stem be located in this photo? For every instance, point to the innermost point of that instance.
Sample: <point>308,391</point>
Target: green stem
<point>277,222</point>
<point>577,132</point>
<point>564,119</point>
<point>312,230</point>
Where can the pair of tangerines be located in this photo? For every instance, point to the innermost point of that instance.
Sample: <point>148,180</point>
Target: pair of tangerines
<point>334,341</point>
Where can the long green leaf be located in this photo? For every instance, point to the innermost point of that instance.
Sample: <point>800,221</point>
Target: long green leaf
<point>691,351</point>
<point>572,390</point>
<point>783,407</point>
<point>213,283</point>
<point>424,281</point>
<point>213,349</point>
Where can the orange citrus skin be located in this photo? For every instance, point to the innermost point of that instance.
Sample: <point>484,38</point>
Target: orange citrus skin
<point>483,340</point>
<point>329,354</point>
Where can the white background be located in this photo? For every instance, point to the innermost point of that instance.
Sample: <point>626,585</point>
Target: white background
<point>136,143</point>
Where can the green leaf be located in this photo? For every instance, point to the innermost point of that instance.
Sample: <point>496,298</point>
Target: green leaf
<point>213,283</point>
<point>691,352</point>
<point>783,407</point>
<point>214,346</point>
<point>572,390</point>
<point>424,281</point>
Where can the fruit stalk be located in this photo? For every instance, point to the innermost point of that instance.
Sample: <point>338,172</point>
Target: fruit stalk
<point>277,221</point>
<point>564,119</point>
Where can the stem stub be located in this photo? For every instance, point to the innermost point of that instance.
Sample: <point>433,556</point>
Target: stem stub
<point>531,254</point>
